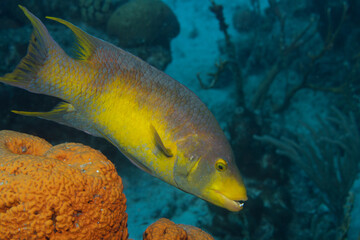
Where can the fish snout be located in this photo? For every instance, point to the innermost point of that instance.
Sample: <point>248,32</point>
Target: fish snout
<point>233,202</point>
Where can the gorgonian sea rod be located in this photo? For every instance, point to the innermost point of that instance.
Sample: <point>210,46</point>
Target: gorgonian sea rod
<point>159,124</point>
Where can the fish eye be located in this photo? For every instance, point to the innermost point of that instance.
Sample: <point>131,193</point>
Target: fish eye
<point>221,165</point>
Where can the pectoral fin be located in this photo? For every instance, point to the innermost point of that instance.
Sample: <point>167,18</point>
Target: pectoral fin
<point>63,113</point>
<point>159,144</point>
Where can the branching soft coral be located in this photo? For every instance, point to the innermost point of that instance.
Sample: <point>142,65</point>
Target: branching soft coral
<point>330,156</point>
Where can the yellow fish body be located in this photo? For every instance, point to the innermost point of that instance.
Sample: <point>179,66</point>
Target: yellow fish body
<point>159,124</point>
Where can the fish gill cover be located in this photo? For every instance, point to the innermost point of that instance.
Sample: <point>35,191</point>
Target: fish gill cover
<point>282,79</point>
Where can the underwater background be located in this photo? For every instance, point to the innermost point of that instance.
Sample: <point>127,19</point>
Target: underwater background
<point>281,77</point>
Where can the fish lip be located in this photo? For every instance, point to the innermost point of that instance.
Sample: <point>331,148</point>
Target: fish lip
<point>230,204</point>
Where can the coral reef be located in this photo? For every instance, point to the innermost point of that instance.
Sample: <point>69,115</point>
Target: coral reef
<point>284,63</point>
<point>9,11</point>
<point>330,156</point>
<point>167,230</point>
<point>245,19</point>
<point>95,12</point>
<point>68,191</point>
<point>157,56</point>
<point>139,22</point>
<point>298,60</point>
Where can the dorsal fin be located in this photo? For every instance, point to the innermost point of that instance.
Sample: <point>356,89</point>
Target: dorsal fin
<point>159,144</point>
<point>86,44</point>
<point>98,52</point>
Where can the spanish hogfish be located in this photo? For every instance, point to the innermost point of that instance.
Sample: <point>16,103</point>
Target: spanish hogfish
<point>156,122</point>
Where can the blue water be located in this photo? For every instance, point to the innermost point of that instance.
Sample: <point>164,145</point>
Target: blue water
<point>282,80</point>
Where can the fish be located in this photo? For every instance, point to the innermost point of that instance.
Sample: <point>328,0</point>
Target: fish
<point>156,122</point>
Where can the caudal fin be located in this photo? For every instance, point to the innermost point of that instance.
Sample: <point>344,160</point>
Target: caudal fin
<point>38,53</point>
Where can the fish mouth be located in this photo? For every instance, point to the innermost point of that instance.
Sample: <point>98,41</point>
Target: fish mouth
<point>233,205</point>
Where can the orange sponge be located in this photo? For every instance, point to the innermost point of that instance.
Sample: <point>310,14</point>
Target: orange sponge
<point>167,230</point>
<point>69,191</point>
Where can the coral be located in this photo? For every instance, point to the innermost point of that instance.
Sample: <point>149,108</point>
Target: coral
<point>195,233</point>
<point>139,22</point>
<point>69,191</point>
<point>157,56</point>
<point>329,156</point>
<point>164,229</point>
<point>167,230</point>
<point>95,12</point>
<point>245,19</point>
<point>230,51</point>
